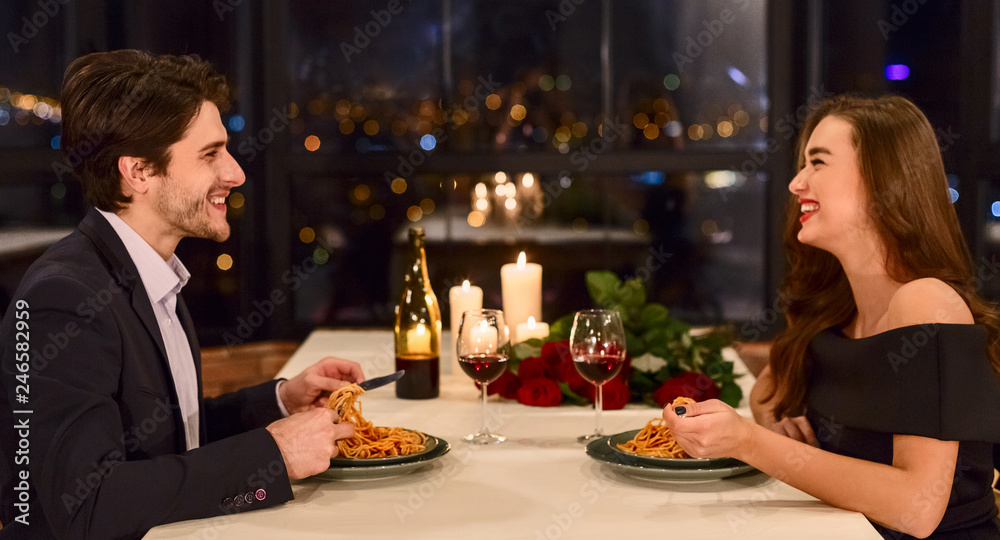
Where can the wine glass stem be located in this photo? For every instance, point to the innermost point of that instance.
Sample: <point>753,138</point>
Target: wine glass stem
<point>484,429</point>
<point>599,406</point>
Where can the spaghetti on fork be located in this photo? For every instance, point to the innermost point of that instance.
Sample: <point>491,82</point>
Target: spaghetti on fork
<point>656,440</point>
<point>370,441</point>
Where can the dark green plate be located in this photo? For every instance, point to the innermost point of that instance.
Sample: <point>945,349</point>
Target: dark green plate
<point>601,451</point>
<point>630,458</point>
<point>431,444</point>
<point>373,471</point>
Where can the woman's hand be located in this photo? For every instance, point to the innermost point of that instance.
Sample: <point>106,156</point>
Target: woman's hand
<point>710,429</point>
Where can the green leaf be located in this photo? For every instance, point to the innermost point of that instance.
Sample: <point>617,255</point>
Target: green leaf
<point>654,316</point>
<point>527,349</point>
<point>571,396</point>
<point>513,364</point>
<point>623,311</point>
<point>603,287</point>
<point>677,328</point>
<point>721,368</point>
<point>632,296</point>
<point>642,382</point>
<point>722,379</point>
<point>658,343</point>
<point>559,330</point>
<point>715,340</point>
<point>634,344</point>
<point>648,400</point>
<point>731,394</point>
<point>663,376</point>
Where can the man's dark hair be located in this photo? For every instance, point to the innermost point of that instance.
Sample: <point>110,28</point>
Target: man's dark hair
<point>130,103</point>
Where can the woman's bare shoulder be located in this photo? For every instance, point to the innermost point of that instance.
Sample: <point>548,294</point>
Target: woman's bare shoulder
<point>927,301</point>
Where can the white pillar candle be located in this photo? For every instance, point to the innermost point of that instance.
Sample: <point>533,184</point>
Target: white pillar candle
<point>521,286</point>
<point>531,329</point>
<point>462,299</point>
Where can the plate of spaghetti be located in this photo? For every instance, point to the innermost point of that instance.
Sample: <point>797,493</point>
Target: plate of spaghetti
<point>654,445</point>
<point>376,446</point>
<point>600,450</point>
<point>649,446</point>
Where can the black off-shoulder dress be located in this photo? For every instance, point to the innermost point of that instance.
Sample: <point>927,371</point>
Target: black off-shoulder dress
<point>932,380</point>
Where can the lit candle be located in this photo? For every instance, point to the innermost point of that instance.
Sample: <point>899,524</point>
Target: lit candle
<point>419,339</point>
<point>521,286</point>
<point>531,329</point>
<point>483,337</point>
<point>462,299</point>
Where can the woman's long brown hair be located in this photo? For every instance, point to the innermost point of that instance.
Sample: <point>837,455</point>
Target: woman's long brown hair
<point>908,206</point>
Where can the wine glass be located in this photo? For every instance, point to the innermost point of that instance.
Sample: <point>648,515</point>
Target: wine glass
<point>483,347</point>
<point>597,343</point>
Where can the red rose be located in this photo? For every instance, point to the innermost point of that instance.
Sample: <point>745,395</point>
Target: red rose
<point>534,368</point>
<point>539,393</point>
<point>590,391</point>
<point>709,390</point>
<point>615,394</point>
<point>567,373</point>
<point>696,386</point>
<point>626,372</point>
<point>556,353</point>
<point>507,385</point>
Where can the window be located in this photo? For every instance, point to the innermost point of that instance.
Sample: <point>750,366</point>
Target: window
<point>590,138</point>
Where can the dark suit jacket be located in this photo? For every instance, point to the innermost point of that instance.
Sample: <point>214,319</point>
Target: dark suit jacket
<point>104,451</point>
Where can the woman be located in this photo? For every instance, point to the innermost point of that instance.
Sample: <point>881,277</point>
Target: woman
<point>890,354</point>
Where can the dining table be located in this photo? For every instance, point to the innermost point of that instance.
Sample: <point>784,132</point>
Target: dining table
<point>539,484</point>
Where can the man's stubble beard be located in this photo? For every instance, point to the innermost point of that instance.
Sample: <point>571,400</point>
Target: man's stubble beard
<point>189,218</point>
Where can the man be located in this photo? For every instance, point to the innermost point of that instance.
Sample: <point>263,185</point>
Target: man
<point>100,363</point>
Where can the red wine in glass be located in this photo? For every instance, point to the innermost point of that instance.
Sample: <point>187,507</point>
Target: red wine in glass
<point>597,342</point>
<point>598,368</point>
<point>483,368</point>
<point>483,347</point>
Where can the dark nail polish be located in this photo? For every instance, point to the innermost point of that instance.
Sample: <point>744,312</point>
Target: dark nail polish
<point>680,411</point>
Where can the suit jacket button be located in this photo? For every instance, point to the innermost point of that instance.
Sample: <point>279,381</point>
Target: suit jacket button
<point>238,500</point>
<point>260,494</point>
<point>227,503</point>
<point>248,497</point>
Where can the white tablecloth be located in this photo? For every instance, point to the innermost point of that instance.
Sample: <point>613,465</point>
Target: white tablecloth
<point>540,484</point>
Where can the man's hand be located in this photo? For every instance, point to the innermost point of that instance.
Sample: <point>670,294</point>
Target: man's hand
<point>307,441</point>
<point>311,388</point>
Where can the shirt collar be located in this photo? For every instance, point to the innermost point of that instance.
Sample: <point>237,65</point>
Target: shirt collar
<point>160,278</point>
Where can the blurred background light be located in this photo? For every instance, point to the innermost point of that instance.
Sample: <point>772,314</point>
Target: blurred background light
<point>897,72</point>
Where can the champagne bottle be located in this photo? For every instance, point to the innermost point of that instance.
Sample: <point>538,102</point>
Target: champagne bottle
<point>418,328</point>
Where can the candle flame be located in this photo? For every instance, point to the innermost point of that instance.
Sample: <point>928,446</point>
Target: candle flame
<point>521,261</point>
<point>465,286</point>
<point>421,329</point>
<point>483,327</point>
<point>531,322</point>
